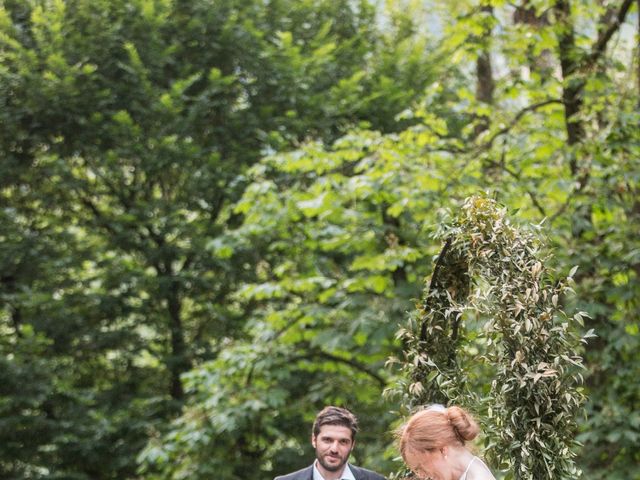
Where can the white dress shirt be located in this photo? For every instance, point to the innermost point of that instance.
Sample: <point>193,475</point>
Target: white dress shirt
<point>347,474</point>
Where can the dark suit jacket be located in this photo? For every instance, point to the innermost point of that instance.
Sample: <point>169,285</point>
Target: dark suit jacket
<point>307,474</point>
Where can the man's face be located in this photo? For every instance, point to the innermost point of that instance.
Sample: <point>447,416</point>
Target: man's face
<point>333,445</point>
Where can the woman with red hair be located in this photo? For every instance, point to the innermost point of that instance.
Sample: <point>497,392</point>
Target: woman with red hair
<point>432,444</point>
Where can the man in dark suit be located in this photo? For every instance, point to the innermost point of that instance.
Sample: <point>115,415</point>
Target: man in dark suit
<point>333,438</point>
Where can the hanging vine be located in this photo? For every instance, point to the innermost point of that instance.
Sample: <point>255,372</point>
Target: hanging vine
<point>494,271</point>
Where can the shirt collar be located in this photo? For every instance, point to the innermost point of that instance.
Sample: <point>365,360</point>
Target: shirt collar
<point>347,474</point>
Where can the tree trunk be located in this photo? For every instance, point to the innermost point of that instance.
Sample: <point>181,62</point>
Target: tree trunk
<point>484,71</point>
<point>178,362</point>
<point>572,86</point>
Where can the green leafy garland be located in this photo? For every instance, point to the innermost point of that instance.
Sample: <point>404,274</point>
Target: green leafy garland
<point>492,271</point>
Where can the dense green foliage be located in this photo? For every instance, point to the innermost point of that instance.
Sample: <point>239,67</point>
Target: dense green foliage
<point>215,215</point>
<point>126,129</point>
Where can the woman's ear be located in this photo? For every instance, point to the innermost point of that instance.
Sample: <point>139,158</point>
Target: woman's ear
<point>444,451</point>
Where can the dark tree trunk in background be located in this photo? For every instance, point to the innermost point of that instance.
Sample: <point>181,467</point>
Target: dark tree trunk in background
<point>484,71</point>
<point>179,362</point>
<point>572,86</point>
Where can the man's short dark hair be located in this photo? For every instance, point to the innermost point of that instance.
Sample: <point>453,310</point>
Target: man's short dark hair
<point>335,416</point>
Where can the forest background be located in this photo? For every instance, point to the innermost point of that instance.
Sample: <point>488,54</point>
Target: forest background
<point>216,215</point>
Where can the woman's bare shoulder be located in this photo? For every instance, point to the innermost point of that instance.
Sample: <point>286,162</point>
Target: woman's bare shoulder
<point>480,472</point>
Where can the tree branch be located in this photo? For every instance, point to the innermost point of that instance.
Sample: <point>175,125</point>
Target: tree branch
<point>600,44</point>
<point>567,202</point>
<point>530,108</point>
<point>489,143</point>
<point>350,362</point>
<point>517,176</point>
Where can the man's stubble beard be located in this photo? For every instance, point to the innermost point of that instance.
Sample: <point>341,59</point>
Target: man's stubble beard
<point>331,468</point>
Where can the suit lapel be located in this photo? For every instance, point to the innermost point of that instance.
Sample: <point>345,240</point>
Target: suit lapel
<point>356,472</point>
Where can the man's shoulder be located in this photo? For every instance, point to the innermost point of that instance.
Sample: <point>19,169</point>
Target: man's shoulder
<point>307,474</point>
<point>364,474</point>
<point>302,474</point>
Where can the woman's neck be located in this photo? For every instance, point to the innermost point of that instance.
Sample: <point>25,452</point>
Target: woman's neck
<point>462,458</point>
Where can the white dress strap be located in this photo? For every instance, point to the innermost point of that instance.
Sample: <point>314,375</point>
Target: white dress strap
<point>464,475</point>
